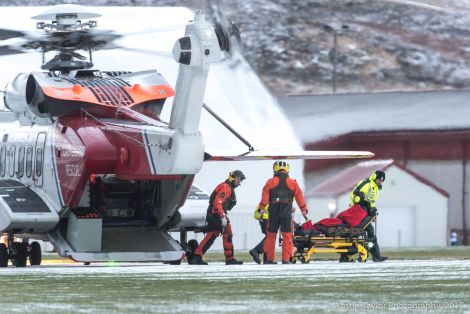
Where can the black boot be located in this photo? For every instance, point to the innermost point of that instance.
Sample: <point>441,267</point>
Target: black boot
<point>255,256</point>
<point>197,260</point>
<point>375,252</point>
<point>270,262</point>
<point>233,261</point>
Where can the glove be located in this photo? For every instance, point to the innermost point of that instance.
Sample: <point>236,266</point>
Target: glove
<point>224,221</point>
<point>261,213</point>
<point>374,212</point>
<point>305,216</point>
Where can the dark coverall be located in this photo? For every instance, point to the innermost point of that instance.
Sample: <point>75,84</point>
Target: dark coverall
<point>279,192</point>
<point>259,248</point>
<point>222,200</point>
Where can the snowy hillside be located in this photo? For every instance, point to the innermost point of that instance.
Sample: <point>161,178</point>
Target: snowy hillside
<point>381,46</point>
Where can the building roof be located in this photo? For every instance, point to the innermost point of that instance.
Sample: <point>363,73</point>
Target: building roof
<point>346,180</point>
<point>321,117</point>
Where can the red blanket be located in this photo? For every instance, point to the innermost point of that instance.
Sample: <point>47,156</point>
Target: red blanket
<point>353,215</point>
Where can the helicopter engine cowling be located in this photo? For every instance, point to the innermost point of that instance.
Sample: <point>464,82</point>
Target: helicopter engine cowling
<point>23,96</point>
<point>40,96</point>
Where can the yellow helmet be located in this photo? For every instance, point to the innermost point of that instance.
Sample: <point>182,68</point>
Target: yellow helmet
<point>281,165</point>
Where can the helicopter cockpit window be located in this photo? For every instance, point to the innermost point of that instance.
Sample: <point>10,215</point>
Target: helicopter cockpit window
<point>39,159</point>
<point>20,171</point>
<point>29,161</point>
<point>11,161</point>
<point>3,160</point>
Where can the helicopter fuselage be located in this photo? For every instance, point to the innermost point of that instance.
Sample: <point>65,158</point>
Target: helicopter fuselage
<point>105,159</point>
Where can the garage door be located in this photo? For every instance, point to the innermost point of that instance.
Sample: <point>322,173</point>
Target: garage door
<point>396,227</point>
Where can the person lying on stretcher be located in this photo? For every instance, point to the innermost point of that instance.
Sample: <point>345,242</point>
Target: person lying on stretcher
<point>351,217</point>
<point>357,216</point>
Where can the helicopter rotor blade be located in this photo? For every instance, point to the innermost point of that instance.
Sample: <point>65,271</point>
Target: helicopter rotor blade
<point>159,53</point>
<point>10,33</point>
<point>162,29</point>
<point>227,32</point>
<point>5,51</point>
<point>420,5</point>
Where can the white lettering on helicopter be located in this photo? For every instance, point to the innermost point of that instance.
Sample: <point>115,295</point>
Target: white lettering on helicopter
<point>72,170</point>
<point>68,150</point>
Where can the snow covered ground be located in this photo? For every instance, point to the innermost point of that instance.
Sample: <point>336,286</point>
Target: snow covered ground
<point>428,285</point>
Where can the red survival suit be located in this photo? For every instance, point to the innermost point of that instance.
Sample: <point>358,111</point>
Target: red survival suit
<point>279,192</point>
<point>222,200</point>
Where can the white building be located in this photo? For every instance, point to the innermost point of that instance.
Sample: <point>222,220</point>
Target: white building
<point>412,210</point>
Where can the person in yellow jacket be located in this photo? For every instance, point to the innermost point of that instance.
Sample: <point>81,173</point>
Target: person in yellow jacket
<point>366,193</point>
<point>263,223</point>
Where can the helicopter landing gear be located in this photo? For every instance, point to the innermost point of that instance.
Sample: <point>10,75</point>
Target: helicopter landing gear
<point>3,255</point>
<point>19,252</point>
<point>35,253</point>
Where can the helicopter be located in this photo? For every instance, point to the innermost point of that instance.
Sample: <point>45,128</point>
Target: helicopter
<point>89,165</point>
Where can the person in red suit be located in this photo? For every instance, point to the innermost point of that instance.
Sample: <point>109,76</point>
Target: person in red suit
<point>279,192</point>
<point>221,201</point>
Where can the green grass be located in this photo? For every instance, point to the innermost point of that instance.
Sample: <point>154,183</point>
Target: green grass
<point>460,252</point>
<point>320,287</point>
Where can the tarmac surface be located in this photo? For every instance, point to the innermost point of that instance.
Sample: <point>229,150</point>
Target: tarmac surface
<point>321,286</point>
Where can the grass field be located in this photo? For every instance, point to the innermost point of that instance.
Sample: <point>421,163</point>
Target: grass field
<point>437,285</point>
<point>459,252</point>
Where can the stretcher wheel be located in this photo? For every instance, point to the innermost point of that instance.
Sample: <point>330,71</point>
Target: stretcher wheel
<point>346,258</point>
<point>304,261</point>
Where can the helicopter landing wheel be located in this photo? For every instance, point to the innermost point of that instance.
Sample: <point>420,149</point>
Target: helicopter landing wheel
<point>35,254</point>
<point>20,254</point>
<point>3,255</point>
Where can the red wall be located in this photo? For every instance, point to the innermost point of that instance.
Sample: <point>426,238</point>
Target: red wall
<point>401,146</point>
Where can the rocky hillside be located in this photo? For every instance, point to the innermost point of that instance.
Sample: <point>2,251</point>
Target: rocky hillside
<point>380,45</point>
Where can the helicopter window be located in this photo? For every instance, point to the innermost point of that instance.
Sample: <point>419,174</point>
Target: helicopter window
<point>197,194</point>
<point>11,161</point>
<point>39,159</point>
<point>20,171</point>
<point>3,161</point>
<point>29,161</point>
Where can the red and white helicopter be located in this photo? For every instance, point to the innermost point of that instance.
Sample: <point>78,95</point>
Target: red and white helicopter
<point>89,165</point>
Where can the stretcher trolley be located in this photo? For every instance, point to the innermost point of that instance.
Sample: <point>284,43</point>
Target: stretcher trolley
<point>350,242</point>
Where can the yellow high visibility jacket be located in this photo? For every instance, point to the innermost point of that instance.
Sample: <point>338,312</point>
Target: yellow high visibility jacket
<point>265,215</point>
<point>370,190</point>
